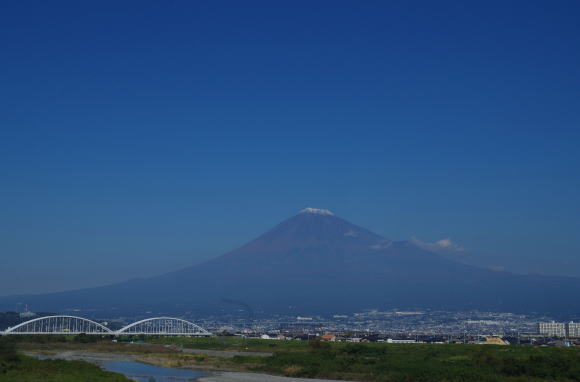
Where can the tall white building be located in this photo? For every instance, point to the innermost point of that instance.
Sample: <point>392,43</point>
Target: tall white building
<point>559,329</point>
<point>552,329</point>
<point>573,329</point>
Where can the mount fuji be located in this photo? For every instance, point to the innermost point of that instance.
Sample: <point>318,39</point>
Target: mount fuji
<point>316,262</point>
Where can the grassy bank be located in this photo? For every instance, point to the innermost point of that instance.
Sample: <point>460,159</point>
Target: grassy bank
<point>423,362</point>
<point>350,361</point>
<point>19,368</point>
<point>396,362</point>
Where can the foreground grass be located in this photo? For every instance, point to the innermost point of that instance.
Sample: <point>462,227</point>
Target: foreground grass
<point>425,362</point>
<point>19,368</point>
<point>394,362</point>
<point>28,369</point>
<point>359,362</point>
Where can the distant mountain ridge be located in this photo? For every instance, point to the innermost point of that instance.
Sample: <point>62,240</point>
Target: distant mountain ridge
<point>316,262</point>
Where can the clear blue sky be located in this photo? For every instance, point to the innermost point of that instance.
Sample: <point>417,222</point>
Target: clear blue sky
<point>140,137</point>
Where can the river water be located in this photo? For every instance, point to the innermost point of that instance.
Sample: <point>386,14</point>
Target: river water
<point>136,371</point>
<point>142,372</point>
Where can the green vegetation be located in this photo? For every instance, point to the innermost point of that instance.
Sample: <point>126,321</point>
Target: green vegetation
<point>48,344</point>
<point>59,338</point>
<point>19,368</point>
<point>349,361</point>
<point>424,362</point>
<point>399,362</point>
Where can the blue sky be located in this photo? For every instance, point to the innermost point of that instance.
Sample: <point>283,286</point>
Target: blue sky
<point>141,137</point>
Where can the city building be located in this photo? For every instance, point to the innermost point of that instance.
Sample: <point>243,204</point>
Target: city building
<point>328,337</point>
<point>573,329</point>
<point>392,341</point>
<point>552,329</point>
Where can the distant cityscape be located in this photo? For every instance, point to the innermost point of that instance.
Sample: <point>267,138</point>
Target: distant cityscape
<point>372,325</point>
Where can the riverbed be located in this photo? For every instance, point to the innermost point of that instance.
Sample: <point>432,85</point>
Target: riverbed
<point>141,372</point>
<point>128,365</point>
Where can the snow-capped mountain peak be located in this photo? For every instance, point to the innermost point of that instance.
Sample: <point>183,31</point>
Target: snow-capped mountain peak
<point>317,211</point>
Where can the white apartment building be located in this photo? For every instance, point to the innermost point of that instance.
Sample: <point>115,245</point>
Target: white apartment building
<point>559,329</point>
<point>573,329</point>
<point>552,329</point>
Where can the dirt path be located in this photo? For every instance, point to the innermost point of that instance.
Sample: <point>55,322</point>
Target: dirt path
<point>82,355</point>
<point>219,353</point>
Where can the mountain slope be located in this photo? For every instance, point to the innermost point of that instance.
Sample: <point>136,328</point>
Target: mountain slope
<point>317,262</point>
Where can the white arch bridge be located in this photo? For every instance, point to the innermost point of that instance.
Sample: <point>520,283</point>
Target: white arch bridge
<point>62,324</point>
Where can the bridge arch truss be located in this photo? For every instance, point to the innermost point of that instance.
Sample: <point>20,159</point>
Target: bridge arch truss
<point>165,326</point>
<point>63,324</point>
<point>59,325</point>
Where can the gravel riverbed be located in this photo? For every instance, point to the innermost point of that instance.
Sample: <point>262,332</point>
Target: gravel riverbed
<point>214,376</point>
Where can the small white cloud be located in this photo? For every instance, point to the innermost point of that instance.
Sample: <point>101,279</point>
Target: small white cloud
<point>499,268</point>
<point>443,245</point>
<point>351,233</point>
